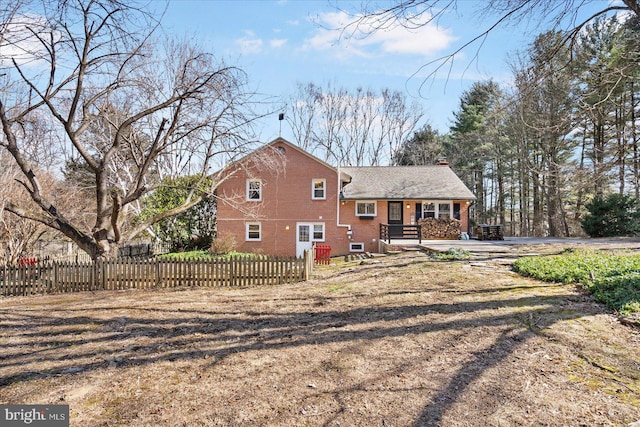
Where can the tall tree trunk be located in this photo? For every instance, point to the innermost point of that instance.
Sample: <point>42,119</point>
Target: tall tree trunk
<point>538,221</point>
<point>501,195</point>
<point>622,150</point>
<point>634,138</point>
<point>598,158</point>
<point>580,195</point>
<point>481,214</point>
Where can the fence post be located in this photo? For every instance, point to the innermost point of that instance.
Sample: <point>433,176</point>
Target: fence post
<point>232,259</point>
<point>308,264</point>
<point>157,268</point>
<point>95,285</point>
<point>56,280</point>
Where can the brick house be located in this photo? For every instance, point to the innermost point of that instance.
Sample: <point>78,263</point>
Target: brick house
<point>280,200</point>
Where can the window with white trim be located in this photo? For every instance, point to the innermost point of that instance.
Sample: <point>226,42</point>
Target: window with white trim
<point>319,189</point>
<point>441,210</point>
<point>254,231</point>
<point>366,208</point>
<point>254,190</point>
<point>444,210</point>
<point>356,247</point>
<point>318,232</point>
<point>311,232</point>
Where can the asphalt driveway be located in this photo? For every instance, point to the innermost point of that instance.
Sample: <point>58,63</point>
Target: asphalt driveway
<point>531,244</point>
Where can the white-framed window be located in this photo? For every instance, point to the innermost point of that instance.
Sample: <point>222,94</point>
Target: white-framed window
<point>429,210</point>
<point>311,232</point>
<point>303,233</point>
<point>318,232</point>
<point>366,208</point>
<point>356,247</point>
<point>254,190</point>
<point>444,210</point>
<point>254,231</point>
<point>439,209</point>
<point>319,189</point>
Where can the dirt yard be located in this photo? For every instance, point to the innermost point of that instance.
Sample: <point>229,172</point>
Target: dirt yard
<point>396,341</point>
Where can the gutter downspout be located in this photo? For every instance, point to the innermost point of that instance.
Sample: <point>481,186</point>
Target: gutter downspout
<point>338,194</point>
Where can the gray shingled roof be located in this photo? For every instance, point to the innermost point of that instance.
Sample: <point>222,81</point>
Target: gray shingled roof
<point>404,182</point>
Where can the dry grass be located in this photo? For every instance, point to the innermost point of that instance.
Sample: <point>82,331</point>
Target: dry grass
<point>406,342</point>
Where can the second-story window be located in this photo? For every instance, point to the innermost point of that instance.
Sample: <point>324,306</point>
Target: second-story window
<point>319,190</point>
<point>254,190</point>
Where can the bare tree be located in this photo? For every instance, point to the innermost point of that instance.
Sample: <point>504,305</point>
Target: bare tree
<point>359,127</point>
<point>19,235</point>
<point>565,15</point>
<point>304,109</point>
<point>129,106</point>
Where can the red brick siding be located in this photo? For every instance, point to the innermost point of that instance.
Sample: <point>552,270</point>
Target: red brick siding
<point>368,231</point>
<point>286,200</point>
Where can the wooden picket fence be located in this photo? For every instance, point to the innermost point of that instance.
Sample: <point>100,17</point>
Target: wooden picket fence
<point>129,273</point>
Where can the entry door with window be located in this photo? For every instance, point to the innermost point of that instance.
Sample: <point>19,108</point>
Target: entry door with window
<point>395,219</point>
<point>306,235</point>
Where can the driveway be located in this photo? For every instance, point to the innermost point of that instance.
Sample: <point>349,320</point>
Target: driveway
<point>513,245</point>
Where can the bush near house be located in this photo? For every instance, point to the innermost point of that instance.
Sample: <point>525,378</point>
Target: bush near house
<point>190,230</point>
<point>612,278</point>
<point>202,255</point>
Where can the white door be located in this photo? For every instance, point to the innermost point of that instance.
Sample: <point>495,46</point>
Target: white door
<point>303,238</point>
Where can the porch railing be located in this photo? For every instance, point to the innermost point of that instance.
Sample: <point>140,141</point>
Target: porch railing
<point>400,231</point>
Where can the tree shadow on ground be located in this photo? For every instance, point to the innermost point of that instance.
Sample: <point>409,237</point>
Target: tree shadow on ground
<point>79,339</point>
<point>65,333</point>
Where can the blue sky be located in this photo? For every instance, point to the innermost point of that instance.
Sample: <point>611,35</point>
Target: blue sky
<point>283,43</point>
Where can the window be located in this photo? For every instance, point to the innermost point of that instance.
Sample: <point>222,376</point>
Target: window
<point>254,190</point>
<point>366,208</point>
<point>444,210</point>
<point>311,232</point>
<point>356,247</point>
<point>318,232</point>
<point>436,210</point>
<point>303,233</point>
<point>254,231</point>
<point>319,189</point>
<point>429,210</point>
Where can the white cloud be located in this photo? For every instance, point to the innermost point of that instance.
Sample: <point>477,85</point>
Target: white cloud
<point>424,39</point>
<point>277,43</point>
<point>250,43</point>
<point>18,42</point>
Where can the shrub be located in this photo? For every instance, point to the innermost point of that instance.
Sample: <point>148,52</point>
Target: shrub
<point>189,230</point>
<point>612,278</point>
<point>223,245</point>
<point>186,256</point>
<point>452,254</point>
<point>614,215</point>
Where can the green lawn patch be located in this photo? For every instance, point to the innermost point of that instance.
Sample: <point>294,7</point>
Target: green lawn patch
<point>452,254</point>
<point>613,278</point>
<point>200,255</point>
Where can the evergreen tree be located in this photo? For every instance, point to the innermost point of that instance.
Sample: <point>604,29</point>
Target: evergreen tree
<point>612,215</point>
<point>423,148</point>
